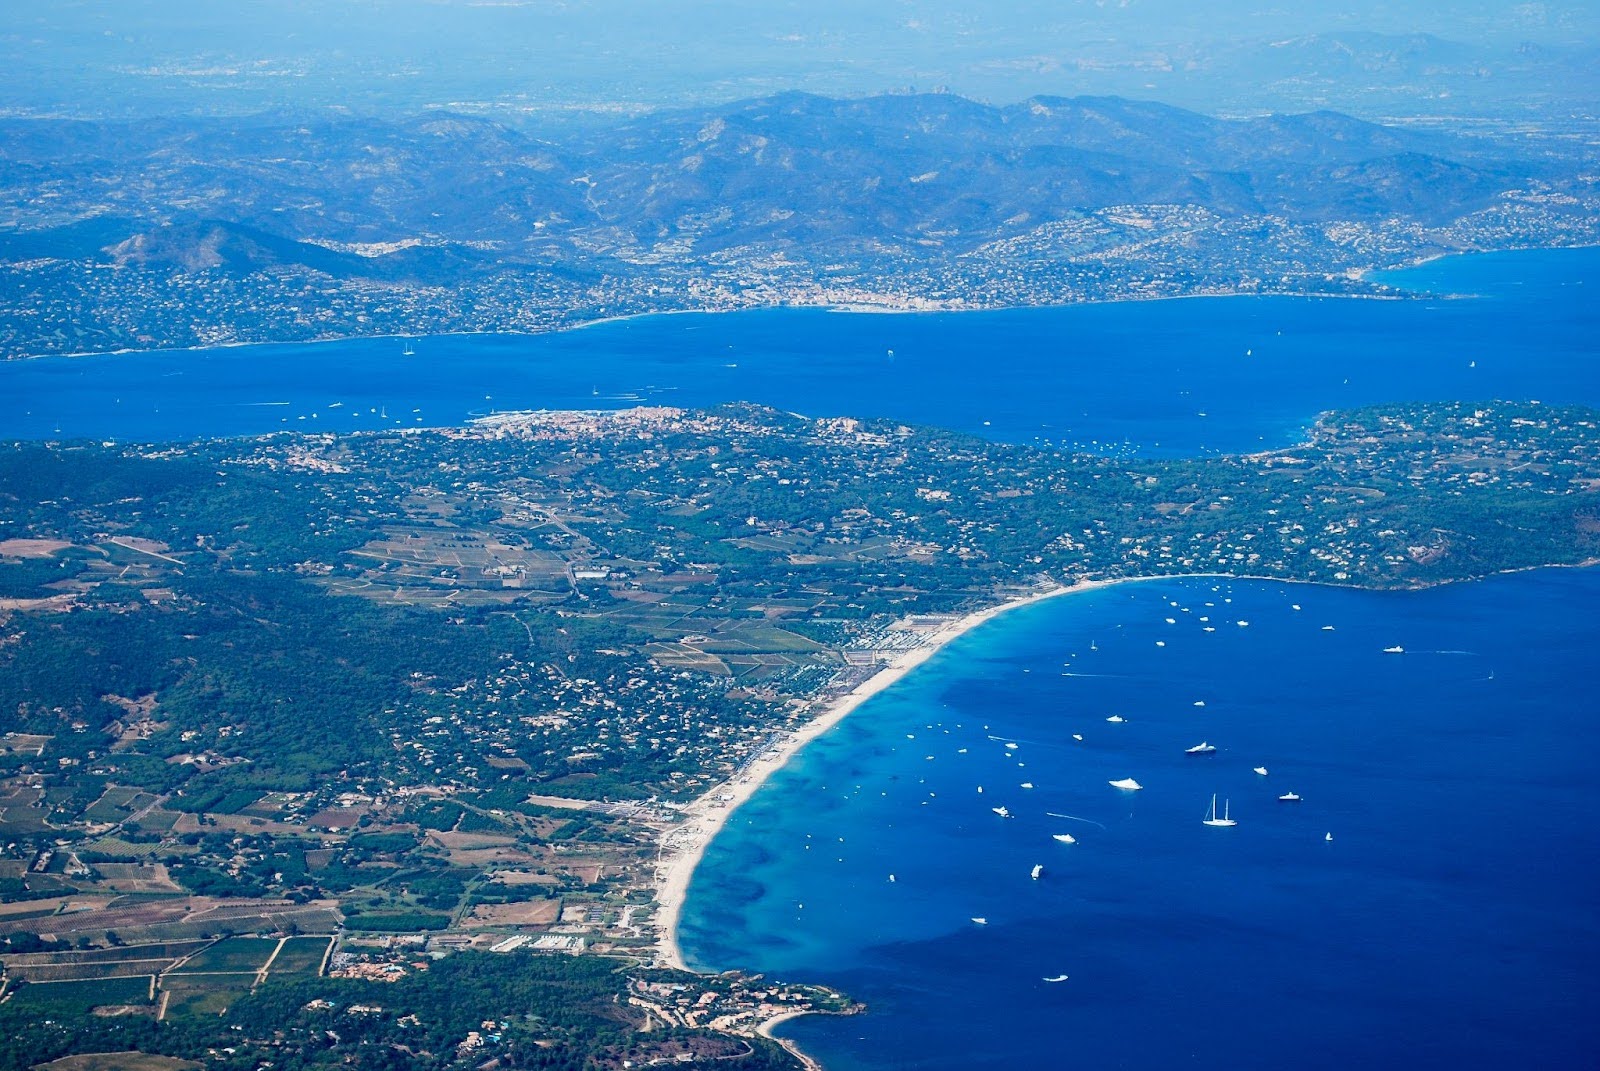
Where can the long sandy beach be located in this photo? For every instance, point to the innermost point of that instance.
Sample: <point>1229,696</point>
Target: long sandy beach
<point>683,844</point>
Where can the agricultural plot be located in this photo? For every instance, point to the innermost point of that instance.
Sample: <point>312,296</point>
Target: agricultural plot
<point>124,962</point>
<point>200,998</point>
<point>22,811</point>
<point>117,803</point>
<point>300,955</point>
<point>678,656</point>
<point>231,955</point>
<point>157,821</point>
<point>118,848</point>
<point>80,997</point>
<point>23,744</point>
<point>758,638</point>
<point>136,878</point>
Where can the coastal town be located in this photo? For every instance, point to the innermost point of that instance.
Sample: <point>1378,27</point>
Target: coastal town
<point>1123,252</point>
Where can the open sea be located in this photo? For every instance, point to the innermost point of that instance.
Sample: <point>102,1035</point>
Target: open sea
<point>1453,920</point>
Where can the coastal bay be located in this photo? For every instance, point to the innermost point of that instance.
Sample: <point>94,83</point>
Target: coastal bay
<point>1452,776</point>
<point>1168,378</point>
<point>684,843</point>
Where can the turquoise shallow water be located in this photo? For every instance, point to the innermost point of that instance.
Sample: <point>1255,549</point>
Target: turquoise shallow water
<point>1451,922</point>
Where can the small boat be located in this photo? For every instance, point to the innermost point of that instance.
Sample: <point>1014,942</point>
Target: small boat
<point>1077,736</point>
<point>1116,719</point>
<point>891,879</point>
<point>1057,978</point>
<point>1001,811</point>
<point>1262,770</point>
<point>1396,649</point>
<point>1327,836</point>
<point>1027,784</point>
<point>1202,748</point>
<point>1211,818</point>
<point>979,920</point>
<point>1290,797</point>
<point>1064,838</point>
<point>1127,783</point>
<point>1038,868</point>
<point>1199,702</point>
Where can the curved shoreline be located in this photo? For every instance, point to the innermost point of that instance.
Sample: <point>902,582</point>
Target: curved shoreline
<point>683,845</point>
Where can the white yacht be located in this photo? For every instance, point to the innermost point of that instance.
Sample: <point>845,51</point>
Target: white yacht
<point>1211,818</point>
<point>1290,797</point>
<point>1202,748</point>
<point>1126,783</point>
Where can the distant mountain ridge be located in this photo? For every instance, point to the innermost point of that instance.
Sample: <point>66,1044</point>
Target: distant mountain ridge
<point>930,170</point>
<point>792,197</point>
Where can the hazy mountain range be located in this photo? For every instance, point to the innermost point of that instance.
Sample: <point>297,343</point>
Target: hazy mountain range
<point>931,174</point>
<point>779,193</point>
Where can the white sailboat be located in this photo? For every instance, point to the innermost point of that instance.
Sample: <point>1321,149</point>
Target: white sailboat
<point>408,351</point>
<point>1211,818</point>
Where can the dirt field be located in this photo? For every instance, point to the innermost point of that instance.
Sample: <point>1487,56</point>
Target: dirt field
<point>533,913</point>
<point>117,1061</point>
<point>30,548</point>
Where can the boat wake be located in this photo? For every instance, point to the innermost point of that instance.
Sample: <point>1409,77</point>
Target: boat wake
<point>1075,818</point>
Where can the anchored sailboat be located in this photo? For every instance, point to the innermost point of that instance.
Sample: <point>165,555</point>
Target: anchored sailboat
<point>1211,818</point>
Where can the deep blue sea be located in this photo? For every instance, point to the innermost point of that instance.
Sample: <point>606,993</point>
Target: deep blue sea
<point>1181,376</point>
<point>1452,921</point>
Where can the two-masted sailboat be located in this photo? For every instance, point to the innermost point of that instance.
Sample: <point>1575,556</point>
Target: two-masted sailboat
<point>1211,818</point>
